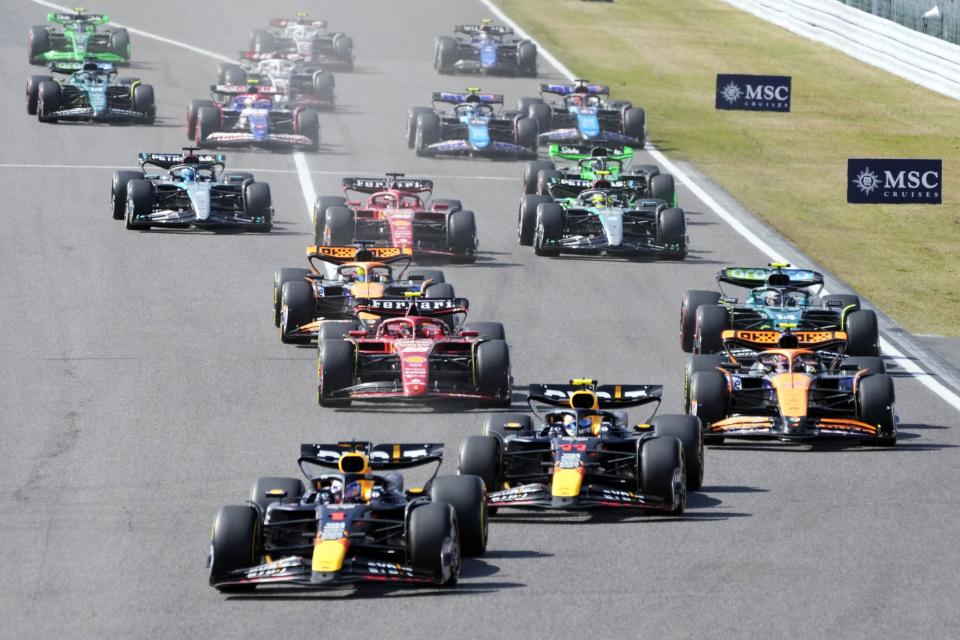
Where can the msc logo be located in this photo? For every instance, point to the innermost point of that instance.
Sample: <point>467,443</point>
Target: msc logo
<point>753,93</point>
<point>894,181</point>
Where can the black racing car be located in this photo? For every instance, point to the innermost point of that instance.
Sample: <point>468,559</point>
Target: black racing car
<point>585,454</point>
<point>354,524</point>
<point>485,48</point>
<point>193,190</point>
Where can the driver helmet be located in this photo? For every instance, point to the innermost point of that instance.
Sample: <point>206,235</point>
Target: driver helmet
<point>577,100</point>
<point>352,492</point>
<point>189,174</point>
<point>772,298</point>
<point>360,275</point>
<point>248,102</point>
<point>781,365</point>
<point>599,200</point>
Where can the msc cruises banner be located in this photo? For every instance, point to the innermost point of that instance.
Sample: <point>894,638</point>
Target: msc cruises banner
<point>894,181</point>
<point>753,93</point>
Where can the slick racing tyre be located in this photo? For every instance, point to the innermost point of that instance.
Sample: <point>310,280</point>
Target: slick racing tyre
<point>433,544</point>
<point>708,401</point>
<point>308,124</point>
<point>336,366</point>
<point>192,109</point>
<point>634,124</point>
<point>339,228</point>
<point>875,406</point>
<point>208,121</point>
<point>710,321</point>
<point>526,134</point>
<point>33,92</point>
<point>527,59</point>
<point>493,372</point>
<point>428,132</point>
<point>335,329</point>
<point>38,43</point>
<point>687,430</point>
<point>120,45</point>
<point>663,188</point>
<point>462,236</point>
<point>257,205</point>
<point>549,229</point>
<point>118,191</point>
<point>693,300</point>
<point>412,116</point>
<point>530,172</point>
<point>48,101</point>
<point>544,178</point>
<point>467,494</point>
<point>696,363</point>
<point>480,456</point>
<point>280,278</point>
<point>527,216</point>
<point>445,54</point>
<point>660,458</point>
<point>319,215</point>
<point>144,103</point>
<point>296,309</point>
<point>140,200</point>
<point>672,233</point>
<point>233,544</point>
<point>863,333</point>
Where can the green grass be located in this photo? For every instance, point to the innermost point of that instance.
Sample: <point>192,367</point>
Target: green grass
<point>788,168</point>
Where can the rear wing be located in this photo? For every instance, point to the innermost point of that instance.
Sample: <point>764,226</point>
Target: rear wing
<point>167,160</point>
<point>341,255</point>
<point>412,306</point>
<point>577,152</point>
<point>609,396</point>
<point>776,275</point>
<point>67,68</point>
<point>78,16</point>
<point>473,29</point>
<point>391,181</point>
<point>380,456</point>
<point>451,97</point>
<point>240,89</point>
<point>764,339</point>
<point>286,22</point>
<point>581,87</point>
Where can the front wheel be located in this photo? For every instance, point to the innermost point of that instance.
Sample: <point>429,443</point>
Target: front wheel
<point>687,430</point>
<point>233,544</point>
<point>433,545</point>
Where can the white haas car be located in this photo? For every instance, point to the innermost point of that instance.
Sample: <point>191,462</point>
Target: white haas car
<point>304,38</point>
<point>298,83</point>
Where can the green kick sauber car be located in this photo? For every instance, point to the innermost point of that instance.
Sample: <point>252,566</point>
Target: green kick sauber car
<point>78,40</point>
<point>591,162</point>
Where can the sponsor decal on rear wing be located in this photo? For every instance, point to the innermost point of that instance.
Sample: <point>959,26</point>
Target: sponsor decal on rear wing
<point>471,29</point>
<point>608,395</point>
<point>240,89</point>
<point>766,338</point>
<point>413,306</point>
<point>583,151</point>
<point>73,67</point>
<point>348,254</point>
<point>79,16</point>
<point>750,277</point>
<point>373,185</point>
<point>167,160</point>
<point>380,456</point>
<point>450,97</point>
<point>567,89</point>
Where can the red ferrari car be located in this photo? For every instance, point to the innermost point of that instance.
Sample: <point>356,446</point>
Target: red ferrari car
<point>398,212</point>
<point>420,350</point>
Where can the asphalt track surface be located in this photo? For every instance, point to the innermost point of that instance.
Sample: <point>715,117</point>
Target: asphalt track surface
<point>144,386</point>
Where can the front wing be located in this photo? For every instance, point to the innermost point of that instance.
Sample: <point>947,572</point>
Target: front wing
<point>573,134</point>
<point>394,390</point>
<point>463,147</point>
<point>765,428</point>
<point>241,139</point>
<point>215,219</point>
<point>538,496</point>
<point>296,571</point>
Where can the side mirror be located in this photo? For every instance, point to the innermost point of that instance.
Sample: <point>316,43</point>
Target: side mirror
<point>849,366</point>
<point>356,333</point>
<point>470,334</point>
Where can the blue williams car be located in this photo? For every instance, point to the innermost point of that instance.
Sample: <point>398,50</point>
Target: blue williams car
<point>91,92</point>
<point>474,127</point>
<point>583,112</point>
<point>485,48</point>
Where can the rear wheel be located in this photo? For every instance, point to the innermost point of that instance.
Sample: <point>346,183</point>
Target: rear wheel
<point>337,367</point>
<point>672,232</point>
<point>296,309</point>
<point>38,43</point>
<point>428,132</point>
<point>266,491</point>
<point>660,460</point>
<point>480,456</point>
<point>708,401</point>
<point>308,124</point>
<point>412,116</point>
<point>687,430</point>
<point>208,121</point>
<point>120,44</point>
<point>467,494</point>
<point>493,371</point>
<point>140,199</point>
<point>634,124</point>
<point>500,425</point>
<point>462,236</point>
<point>233,544</point>
<point>432,541</point>
<point>487,330</point>
<point>549,229</point>
<point>542,113</point>
<point>527,218</point>
<point>33,92</point>
<point>693,300</point>
<point>710,322</point>
<point>863,333</point>
<point>192,108</point>
<point>339,227</point>
<point>530,172</point>
<point>48,101</point>
<point>663,188</point>
<point>118,191</point>
<point>445,54</point>
<point>324,85</point>
<point>875,404</point>
<point>231,74</point>
<point>280,278</point>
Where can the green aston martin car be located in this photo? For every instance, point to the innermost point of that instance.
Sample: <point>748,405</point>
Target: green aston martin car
<point>78,40</point>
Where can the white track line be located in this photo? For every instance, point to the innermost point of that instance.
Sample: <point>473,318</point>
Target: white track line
<point>903,361</point>
<point>306,183</point>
